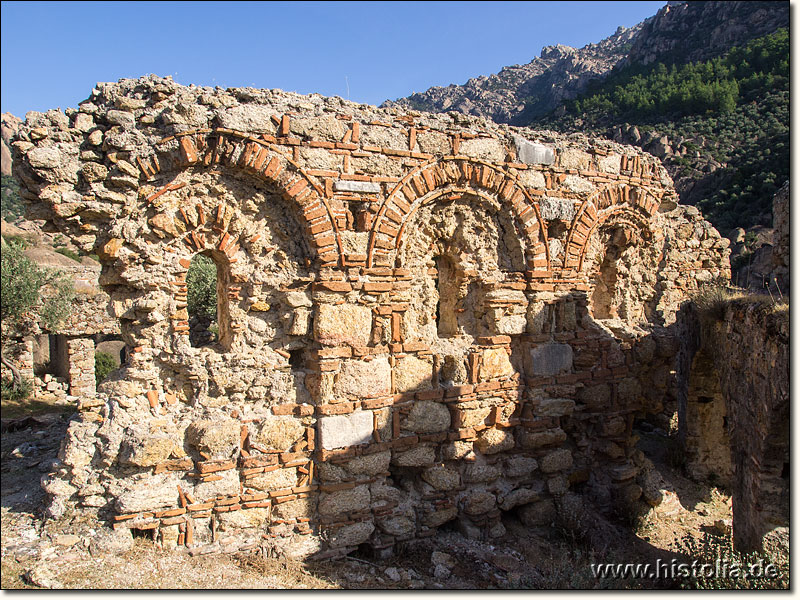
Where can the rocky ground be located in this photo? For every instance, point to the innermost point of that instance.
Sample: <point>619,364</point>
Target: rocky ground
<point>71,553</point>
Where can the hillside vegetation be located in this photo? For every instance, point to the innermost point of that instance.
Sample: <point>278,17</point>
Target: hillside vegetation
<point>722,125</point>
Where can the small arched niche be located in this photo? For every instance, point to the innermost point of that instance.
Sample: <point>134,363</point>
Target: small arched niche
<point>613,254</point>
<point>207,283</point>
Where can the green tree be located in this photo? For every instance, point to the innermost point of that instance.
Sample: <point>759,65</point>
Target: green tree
<point>201,284</point>
<point>11,205</point>
<point>28,294</point>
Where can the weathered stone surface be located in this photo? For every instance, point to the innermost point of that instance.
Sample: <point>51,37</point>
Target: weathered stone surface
<point>243,519</point>
<point>440,517</point>
<point>492,441</point>
<point>520,496</point>
<point>553,208</point>
<point>279,433</point>
<point>479,473</point>
<point>302,508</point>
<point>412,374</point>
<point>521,466</point>
<point>336,503</point>
<point>219,438</point>
<point>479,503</point>
<point>279,479</point>
<point>148,493</point>
<point>369,464</point>
<point>442,477</point>
<point>343,324</point>
<point>351,535</point>
<point>142,448</point>
<point>558,460</point>
<point>427,417</point>
<point>551,359</point>
<point>227,485</point>
<point>554,407</point>
<point>495,364</point>
<point>420,456</point>
<point>364,379</point>
<point>340,431</point>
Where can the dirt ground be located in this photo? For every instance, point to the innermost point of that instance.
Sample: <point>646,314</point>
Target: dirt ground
<point>38,553</point>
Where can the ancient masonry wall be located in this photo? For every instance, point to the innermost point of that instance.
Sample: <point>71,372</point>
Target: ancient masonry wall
<point>423,319</point>
<point>75,347</point>
<point>735,417</point>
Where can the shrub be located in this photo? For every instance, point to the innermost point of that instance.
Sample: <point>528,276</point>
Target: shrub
<point>201,283</point>
<point>19,393</point>
<point>104,363</point>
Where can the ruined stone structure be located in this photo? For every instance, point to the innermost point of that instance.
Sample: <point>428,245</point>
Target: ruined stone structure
<point>423,319</point>
<point>60,363</point>
<point>733,411</point>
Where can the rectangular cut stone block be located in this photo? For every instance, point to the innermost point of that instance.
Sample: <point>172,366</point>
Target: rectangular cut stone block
<point>495,364</point>
<point>554,407</point>
<point>364,379</point>
<point>341,431</point>
<point>412,374</point>
<point>551,359</point>
<point>533,154</point>
<point>556,208</point>
<point>365,187</point>
<point>343,324</point>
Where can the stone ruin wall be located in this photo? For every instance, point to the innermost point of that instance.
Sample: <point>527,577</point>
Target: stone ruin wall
<point>424,319</point>
<point>733,411</point>
<point>69,350</point>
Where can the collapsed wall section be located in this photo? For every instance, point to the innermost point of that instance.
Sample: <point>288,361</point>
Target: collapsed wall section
<point>421,321</point>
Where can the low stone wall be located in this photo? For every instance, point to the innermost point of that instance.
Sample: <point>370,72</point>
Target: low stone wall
<point>423,319</point>
<point>734,410</point>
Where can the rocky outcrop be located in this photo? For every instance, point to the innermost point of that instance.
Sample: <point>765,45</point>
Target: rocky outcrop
<point>524,92</point>
<point>8,128</point>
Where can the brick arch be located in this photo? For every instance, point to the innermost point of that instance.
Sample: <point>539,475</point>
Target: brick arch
<point>261,159</point>
<point>625,204</point>
<point>445,177</point>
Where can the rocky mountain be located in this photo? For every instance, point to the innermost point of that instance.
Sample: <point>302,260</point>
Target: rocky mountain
<point>559,73</point>
<point>678,33</point>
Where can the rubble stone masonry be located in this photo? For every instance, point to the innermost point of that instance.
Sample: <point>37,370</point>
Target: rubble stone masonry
<point>423,319</point>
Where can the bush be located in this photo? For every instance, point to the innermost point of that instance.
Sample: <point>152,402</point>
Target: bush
<point>201,284</point>
<point>21,393</point>
<point>69,254</point>
<point>104,363</point>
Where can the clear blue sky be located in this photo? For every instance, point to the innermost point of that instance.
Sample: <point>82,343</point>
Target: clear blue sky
<point>53,53</point>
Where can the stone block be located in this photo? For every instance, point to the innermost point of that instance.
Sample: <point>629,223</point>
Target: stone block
<point>442,477</point>
<point>412,374</point>
<point>421,456</point>
<point>338,324</point>
<point>495,364</point>
<point>219,438</point>
<point>479,503</point>
<point>532,153</point>
<point>554,407</point>
<point>364,187</point>
<point>344,501</point>
<point>558,460</point>
<point>148,493</point>
<point>477,473</point>
<point>141,448</point>
<point>229,485</point>
<point>351,535</point>
<point>520,496</point>
<point>521,466</point>
<point>243,519</point>
<point>511,325</point>
<point>551,359</point>
<point>302,508</point>
<point>401,523</point>
<point>596,396</point>
<point>279,479</point>
<point>427,417</point>
<point>341,431</point>
<point>488,149</point>
<point>369,464</point>
<point>364,379</point>
<point>562,209</point>
<point>279,433</point>
<point>440,517</point>
<point>492,441</point>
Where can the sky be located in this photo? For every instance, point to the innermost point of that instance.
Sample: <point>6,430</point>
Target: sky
<point>53,53</point>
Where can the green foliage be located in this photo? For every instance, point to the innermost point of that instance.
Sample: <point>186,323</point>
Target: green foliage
<point>104,363</point>
<point>11,205</point>
<point>715,86</point>
<point>69,254</point>
<point>26,287</point>
<point>201,283</point>
<point>20,393</point>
